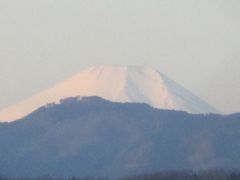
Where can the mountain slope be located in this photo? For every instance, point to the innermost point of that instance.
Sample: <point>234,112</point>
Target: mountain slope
<point>93,136</point>
<point>118,84</point>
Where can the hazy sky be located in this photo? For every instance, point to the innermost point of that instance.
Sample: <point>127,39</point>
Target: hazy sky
<point>195,42</point>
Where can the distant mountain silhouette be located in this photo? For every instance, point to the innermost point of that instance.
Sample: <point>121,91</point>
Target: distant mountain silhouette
<point>96,137</point>
<point>137,84</point>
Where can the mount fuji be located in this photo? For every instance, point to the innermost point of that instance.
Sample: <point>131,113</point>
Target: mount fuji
<point>138,84</point>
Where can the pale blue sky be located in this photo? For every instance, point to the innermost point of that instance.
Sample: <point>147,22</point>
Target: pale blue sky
<point>196,43</point>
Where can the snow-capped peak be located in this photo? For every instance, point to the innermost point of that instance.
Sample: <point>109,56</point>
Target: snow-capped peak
<point>141,84</point>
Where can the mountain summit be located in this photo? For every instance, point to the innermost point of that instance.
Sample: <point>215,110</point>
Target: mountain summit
<point>139,84</point>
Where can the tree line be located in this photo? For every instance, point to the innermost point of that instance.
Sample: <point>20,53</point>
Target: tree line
<point>203,175</point>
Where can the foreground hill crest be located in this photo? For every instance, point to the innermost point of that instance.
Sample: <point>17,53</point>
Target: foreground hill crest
<point>96,137</point>
<point>140,84</point>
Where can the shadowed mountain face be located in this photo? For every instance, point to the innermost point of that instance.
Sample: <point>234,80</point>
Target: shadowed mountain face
<point>93,136</point>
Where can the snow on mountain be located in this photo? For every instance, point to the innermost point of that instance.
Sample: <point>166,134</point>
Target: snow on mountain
<point>139,84</point>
